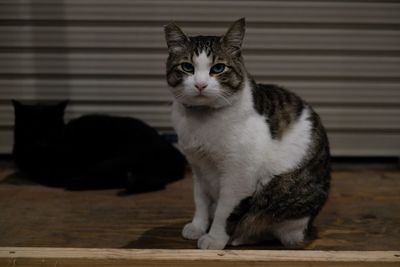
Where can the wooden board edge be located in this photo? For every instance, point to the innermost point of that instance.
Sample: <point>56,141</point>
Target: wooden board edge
<point>35,256</point>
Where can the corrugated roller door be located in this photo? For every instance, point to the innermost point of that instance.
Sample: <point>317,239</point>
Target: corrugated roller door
<point>109,57</point>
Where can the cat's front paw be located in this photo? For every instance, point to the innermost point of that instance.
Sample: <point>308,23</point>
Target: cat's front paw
<point>192,232</point>
<point>209,242</point>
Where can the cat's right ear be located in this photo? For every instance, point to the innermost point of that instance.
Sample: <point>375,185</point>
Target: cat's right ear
<point>16,104</point>
<point>233,38</point>
<point>62,105</point>
<point>176,39</point>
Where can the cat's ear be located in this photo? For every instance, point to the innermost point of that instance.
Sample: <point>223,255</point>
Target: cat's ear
<point>176,39</point>
<point>62,105</point>
<point>233,38</point>
<point>16,104</point>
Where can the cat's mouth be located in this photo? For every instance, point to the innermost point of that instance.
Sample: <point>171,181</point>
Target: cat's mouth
<point>201,99</point>
<point>201,96</point>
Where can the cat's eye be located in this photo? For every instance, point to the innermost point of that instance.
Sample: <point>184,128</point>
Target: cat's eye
<point>187,67</point>
<point>217,68</point>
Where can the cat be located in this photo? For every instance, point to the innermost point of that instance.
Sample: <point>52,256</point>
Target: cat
<point>92,151</point>
<point>259,154</point>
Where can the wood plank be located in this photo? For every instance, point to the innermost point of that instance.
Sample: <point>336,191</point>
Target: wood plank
<point>156,257</point>
<point>362,213</point>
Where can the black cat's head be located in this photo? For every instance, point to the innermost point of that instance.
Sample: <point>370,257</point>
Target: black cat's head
<point>37,125</point>
<point>205,70</point>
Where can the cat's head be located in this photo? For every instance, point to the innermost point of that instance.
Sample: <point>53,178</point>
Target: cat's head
<point>37,125</point>
<point>205,70</point>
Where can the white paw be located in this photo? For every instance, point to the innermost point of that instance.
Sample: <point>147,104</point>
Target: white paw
<point>209,242</point>
<point>192,232</point>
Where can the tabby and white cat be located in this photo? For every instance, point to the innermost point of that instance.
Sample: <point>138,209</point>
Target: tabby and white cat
<point>259,153</point>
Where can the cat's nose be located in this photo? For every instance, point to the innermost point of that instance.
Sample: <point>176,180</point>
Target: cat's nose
<point>200,86</point>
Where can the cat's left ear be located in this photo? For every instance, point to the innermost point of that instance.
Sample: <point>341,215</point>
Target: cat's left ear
<point>16,103</point>
<point>62,105</point>
<point>176,39</point>
<point>18,106</point>
<point>233,38</point>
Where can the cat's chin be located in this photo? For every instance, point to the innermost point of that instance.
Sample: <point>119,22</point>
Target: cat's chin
<point>198,100</point>
<point>203,101</point>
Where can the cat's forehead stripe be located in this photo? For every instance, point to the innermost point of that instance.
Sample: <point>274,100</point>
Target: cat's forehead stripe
<point>203,44</point>
<point>202,60</point>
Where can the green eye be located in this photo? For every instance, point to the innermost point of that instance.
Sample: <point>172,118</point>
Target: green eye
<point>187,67</point>
<point>218,68</point>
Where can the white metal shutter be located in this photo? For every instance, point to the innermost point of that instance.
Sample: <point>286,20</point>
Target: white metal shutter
<point>108,56</point>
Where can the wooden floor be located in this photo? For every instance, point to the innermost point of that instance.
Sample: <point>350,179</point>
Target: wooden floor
<point>363,213</point>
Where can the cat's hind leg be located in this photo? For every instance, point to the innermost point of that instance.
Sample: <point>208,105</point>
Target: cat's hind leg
<point>249,229</point>
<point>247,240</point>
<point>254,228</point>
<point>291,233</point>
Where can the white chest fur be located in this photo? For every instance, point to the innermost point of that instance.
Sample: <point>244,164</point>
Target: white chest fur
<point>237,138</point>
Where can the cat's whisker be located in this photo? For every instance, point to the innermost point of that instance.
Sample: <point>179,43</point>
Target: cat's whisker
<point>227,95</point>
<point>179,95</point>
<point>225,99</point>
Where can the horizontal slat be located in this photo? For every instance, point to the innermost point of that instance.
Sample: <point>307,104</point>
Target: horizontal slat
<point>369,118</point>
<point>6,141</point>
<point>334,118</point>
<point>332,92</point>
<point>342,144</point>
<point>85,89</point>
<point>338,93</point>
<point>364,144</point>
<point>156,115</point>
<point>256,11</point>
<point>145,64</point>
<point>152,37</point>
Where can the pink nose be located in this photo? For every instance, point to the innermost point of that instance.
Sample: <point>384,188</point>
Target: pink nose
<point>200,86</point>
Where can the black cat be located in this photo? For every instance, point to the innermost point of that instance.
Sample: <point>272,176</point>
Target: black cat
<point>92,151</point>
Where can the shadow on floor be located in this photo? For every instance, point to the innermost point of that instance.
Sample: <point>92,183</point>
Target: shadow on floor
<point>164,237</point>
<point>17,178</point>
<point>169,237</point>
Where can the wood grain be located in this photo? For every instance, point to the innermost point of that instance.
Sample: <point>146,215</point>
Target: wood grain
<point>159,257</point>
